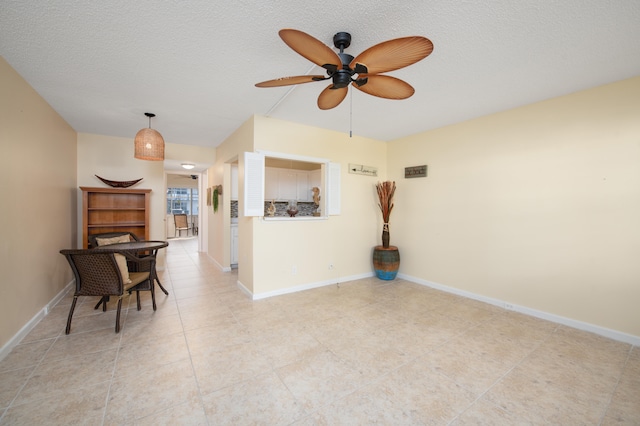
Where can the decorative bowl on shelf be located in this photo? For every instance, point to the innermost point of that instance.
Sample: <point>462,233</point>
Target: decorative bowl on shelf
<point>119,183</point>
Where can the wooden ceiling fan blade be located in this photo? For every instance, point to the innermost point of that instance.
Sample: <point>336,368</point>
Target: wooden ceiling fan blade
<point>288,81</point>
<point>331,98</point>
<point>311,48</point>
<point>393,54</point>
<point>384,86</point>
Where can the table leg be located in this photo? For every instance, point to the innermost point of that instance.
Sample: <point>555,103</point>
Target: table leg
<point>155,275</point>
<point>164,290</point>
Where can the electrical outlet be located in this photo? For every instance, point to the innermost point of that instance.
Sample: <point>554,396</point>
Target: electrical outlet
<point>508,306</point>
<point>331,266</point>
<point>294,270</point>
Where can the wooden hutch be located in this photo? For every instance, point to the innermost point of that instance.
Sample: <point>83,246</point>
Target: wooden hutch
<point>115,210</point>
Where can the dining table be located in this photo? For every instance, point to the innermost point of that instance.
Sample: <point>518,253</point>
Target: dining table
<point>136,247</point>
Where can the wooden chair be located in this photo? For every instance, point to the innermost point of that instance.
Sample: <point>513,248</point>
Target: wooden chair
<point>182,224</point>
<point>97,273</point>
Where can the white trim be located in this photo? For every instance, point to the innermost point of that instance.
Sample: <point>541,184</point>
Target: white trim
<point>602,331</point>
<point>334,171</point>
<point>203,213</point>
<point>308,286</point>
<point>254,176</point>
<point>291,219</point>
<point>30,325</point>
<point>244,289</point>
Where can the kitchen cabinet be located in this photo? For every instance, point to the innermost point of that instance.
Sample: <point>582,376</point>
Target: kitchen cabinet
<point>234,244</point>
<point>315,179</point>
<point>303,190</point>
<point>290,184</point>
<point>287,184</point>
<point>270,183</point>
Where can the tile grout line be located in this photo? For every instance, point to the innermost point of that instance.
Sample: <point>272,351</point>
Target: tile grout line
<point>115,364</point>
<point>184,335</point>
<point>28,378</point>
<point>502,377</point>
<point>624,367</point>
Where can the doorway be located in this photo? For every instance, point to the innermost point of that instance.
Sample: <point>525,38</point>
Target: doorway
<point>183,198</point>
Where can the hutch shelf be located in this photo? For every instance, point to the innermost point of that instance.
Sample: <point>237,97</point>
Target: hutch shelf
<point>115,210</point>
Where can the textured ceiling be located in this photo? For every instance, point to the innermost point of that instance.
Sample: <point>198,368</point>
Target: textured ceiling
<point>101,65</point>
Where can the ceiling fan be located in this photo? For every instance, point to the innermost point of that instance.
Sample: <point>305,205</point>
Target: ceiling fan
<point>363,72</point>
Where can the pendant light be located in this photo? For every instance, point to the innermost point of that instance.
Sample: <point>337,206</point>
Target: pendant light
<point>149,144</point>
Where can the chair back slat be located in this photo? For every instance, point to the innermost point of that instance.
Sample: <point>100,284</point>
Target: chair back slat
<point>93,243</point>
<point>181,221</point>
<point>96,272</point>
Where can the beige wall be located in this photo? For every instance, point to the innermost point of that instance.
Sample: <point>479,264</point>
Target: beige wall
<point>37,182</point>
<point>346,241</point>
<point>537,206</point>
<point>219,223</point>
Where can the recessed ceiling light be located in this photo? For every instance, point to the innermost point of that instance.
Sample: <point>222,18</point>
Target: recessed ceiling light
<point>188,166</point>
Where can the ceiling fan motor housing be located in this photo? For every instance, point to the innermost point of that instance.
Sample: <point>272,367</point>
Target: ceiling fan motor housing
<point>342,40</point>
<point>341,79</point>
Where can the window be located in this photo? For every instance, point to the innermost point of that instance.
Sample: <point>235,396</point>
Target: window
<point>182,200</point>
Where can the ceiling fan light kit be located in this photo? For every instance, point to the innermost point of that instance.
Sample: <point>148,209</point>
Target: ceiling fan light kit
<point>148,143</point>
<point>364,72</point>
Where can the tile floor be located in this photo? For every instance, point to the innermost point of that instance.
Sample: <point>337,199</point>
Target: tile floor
<point>361,353</point>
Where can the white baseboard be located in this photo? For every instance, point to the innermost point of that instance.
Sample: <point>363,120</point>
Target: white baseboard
<point>244,289</point>
<point>17,338</point>
<point>602,331</point>
<point>219,266</point>
<point>308,286</point>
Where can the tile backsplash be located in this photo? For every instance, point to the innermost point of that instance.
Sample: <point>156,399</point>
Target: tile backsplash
<point>234,208</point>
<point>304,208</point>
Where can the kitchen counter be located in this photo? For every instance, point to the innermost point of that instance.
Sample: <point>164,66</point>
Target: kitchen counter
<point>296,218</point>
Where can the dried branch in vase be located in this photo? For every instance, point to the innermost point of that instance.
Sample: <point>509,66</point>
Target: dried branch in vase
<point>385,195</point>
<point>386,190</point>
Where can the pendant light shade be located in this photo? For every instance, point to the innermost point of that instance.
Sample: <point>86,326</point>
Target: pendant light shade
<point>149,144</point>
